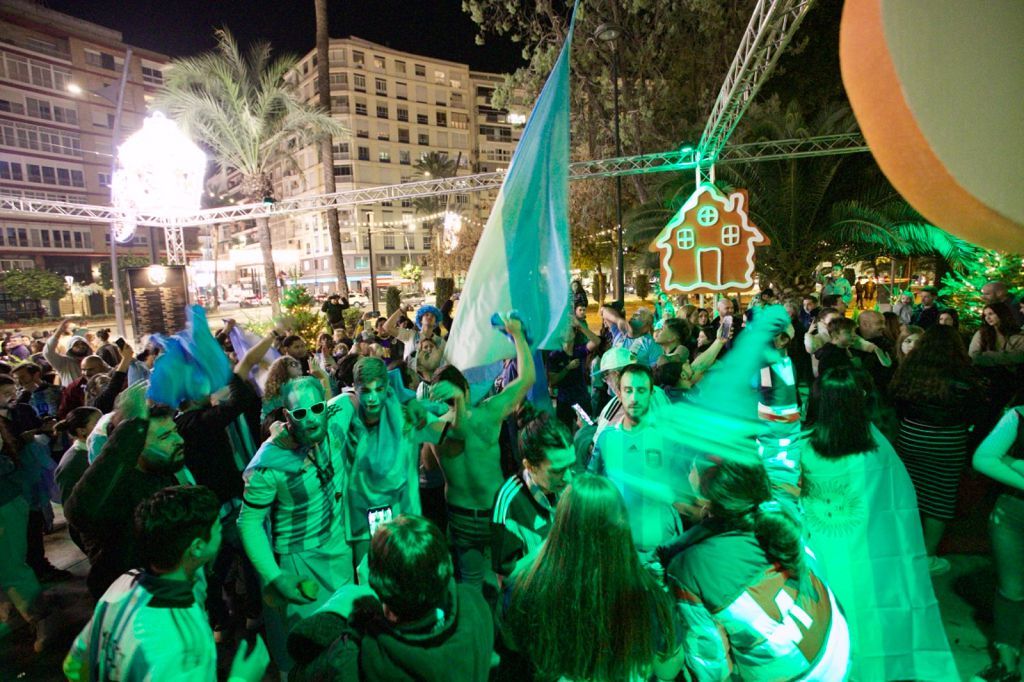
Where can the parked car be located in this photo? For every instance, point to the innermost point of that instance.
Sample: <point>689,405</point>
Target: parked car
<point>254,301</point>
<point>359,300</point>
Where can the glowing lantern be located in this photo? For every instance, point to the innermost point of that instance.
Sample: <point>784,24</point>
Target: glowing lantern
<point>160,171</point>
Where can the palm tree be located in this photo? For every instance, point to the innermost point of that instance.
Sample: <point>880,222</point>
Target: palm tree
<point>323,63</point>
<point>812,209</point>
<point>434,165</point>
<point>245,109</point>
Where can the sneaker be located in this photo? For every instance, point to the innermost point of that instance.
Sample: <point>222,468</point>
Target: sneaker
<point>996,672</point>
<point>937,565</point>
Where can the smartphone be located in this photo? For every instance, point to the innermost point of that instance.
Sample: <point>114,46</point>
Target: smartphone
<point>375,516</point>
<point>582,414</point>
<point>723,331</point>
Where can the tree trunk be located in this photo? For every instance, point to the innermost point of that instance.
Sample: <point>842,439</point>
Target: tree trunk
<point>269,271</point>
<point>326,146</point>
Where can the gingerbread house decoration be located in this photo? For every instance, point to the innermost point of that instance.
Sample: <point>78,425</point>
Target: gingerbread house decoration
<point>708,246</point>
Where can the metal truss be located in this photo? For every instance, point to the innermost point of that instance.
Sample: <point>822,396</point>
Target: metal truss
<point>175,238</point>
<point>770,29</point>
<point>684,159</point>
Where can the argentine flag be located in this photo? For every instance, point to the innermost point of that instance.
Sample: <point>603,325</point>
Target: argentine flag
<point>522,260</point>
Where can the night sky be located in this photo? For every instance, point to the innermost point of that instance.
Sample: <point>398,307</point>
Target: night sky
<point>436,28</point>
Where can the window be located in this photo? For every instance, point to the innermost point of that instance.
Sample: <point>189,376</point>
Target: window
<point>420,70</point>
<point>457,100</point>
<point>381,86</point>
<point>362,129</point>
<point>402,114</point>
<point>401,91</point>
<point>384,156</point>
<point>340,104</point>
<point>12,107</point>
<point>152,76</point>
<point>359,82</point>
<point>364,153</point>
<point>340,151</point>
<point>441,119</point>
<point>339,81</point>
<point>440,97</point>
<point>383,131</point>
<point>360,108</point>
<point>337,56</point>
<point>421,94</point>
<point>104,179</point>
<point>439,77</point>
<point>362,262</point>
<point>403,135</point>
<point>403,158</point>
<point>406,203</point>
<point>460,121</point>
<point>730,235</point>
<point>422,119</point>
<point>684,239</point>
<point>10,171</point>
<point>428,239</point>
<point>442,140</point>
<point>358,58</point>
<point>378,62</point>
<point>382,111</point>
<point>423,139</point>
<point>343,171</point>
<point>389,240</point>
<point>38,108</point>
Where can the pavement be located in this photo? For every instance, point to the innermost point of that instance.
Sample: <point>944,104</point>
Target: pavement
<point>964,594</point>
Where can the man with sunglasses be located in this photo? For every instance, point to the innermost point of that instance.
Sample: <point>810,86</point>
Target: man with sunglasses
<point>296,479</point>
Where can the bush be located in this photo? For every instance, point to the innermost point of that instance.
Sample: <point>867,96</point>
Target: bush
<point>351,318</point>
<point>444,287</point>
<point>33,284</point>
<point>599,289</point>
<point>393,300</point>
<point>642,284</point>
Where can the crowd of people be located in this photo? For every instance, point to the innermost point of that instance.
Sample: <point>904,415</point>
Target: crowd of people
<point>699,494</point>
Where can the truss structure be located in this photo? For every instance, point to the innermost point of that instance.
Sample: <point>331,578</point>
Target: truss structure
<point>770,29</point>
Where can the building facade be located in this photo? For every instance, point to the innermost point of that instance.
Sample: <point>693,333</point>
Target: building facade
<point>398,107</point>
<point>59,79</point>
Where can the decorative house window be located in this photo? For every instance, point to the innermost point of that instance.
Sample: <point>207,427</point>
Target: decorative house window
<point>707,216</point>
<point>730,235</point>
<point>684,239</point>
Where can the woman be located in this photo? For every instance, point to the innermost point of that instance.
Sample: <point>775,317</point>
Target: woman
<point>908,341</point>
<point>618,623</point>
<point>999,341</point>
<point>741,570</point>
<point>936,394</point>
<point>77,425</point>
<point>579,295</point>
<point>110,353</point>
<point>671,338</point>
<point>281,370</point>
<point>1001,457</point>
<point>892,328</point>
<point>861,520</point>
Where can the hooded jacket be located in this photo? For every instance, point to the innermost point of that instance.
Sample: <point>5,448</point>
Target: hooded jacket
<point>365,646</point>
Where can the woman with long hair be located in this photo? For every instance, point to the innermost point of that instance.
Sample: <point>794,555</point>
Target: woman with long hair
<point>999,341</point>
<point>583,607</point>
<point>861,520</point>
<point>892,328</point>
<point>750,603</point>
<point>937,395</point>
<point>907,341</point>
<point>281,370</point>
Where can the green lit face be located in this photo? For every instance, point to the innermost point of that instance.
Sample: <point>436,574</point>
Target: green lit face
<point>307,416</point>
<point>635,394</point>
<point>164,450</point>
<point>555,473</point>
<point>371,398</point>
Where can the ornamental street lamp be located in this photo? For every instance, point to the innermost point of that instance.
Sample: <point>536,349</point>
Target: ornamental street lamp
<point>609,33</point>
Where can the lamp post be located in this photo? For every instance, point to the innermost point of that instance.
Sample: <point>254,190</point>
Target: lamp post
<point>610,33</point>
<point>118,102</point>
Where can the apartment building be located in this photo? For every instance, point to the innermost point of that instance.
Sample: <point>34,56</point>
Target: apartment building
<point>58,87</point>
<point>398,107</point>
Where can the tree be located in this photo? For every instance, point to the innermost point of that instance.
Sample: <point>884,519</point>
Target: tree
<point>962,290</point>
<point>245,108</point>
<point>393,300</point>
<point>123,263</point>
<point>827,208</point>
<point>434,165</point>
<point>323,63</point>
<point>37,285</point>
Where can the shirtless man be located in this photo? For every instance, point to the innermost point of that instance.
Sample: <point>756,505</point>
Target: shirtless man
<point>471,463</point>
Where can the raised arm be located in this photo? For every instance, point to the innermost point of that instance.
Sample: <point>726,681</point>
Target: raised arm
<point>254,355</point>
<point>593,340</point>
<point>391,324</point>
<point>505,402</point>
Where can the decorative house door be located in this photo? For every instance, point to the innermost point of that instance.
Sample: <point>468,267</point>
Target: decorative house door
<point>709,266</point>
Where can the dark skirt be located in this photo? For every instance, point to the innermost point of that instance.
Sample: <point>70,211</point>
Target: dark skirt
<point>935,457</point>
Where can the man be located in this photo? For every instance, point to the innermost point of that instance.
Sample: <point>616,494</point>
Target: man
<point>149,625</point>
<point>998,292</point>
<point>817,335</point>
<point>809,311</point>
<point>73,394</point>
<point>295,346</point>
<point>871,328</point>
<point>68,367</point>
<point>42,397</point>
<point>297,480</point>
<point>639,340</point>
<point>836,284</point>
<point>427,319</point>
<point>639,460</point>
<point>726,310</point>
<point>334,308</point>
<point>846,349</point>
<point>472,467</point>
<point>410,624</point>
<point>926,315</point>
<point>525,505</point>
<point>141,457</point>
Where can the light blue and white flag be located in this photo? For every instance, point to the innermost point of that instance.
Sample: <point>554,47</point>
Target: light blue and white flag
<point>522,260</point>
